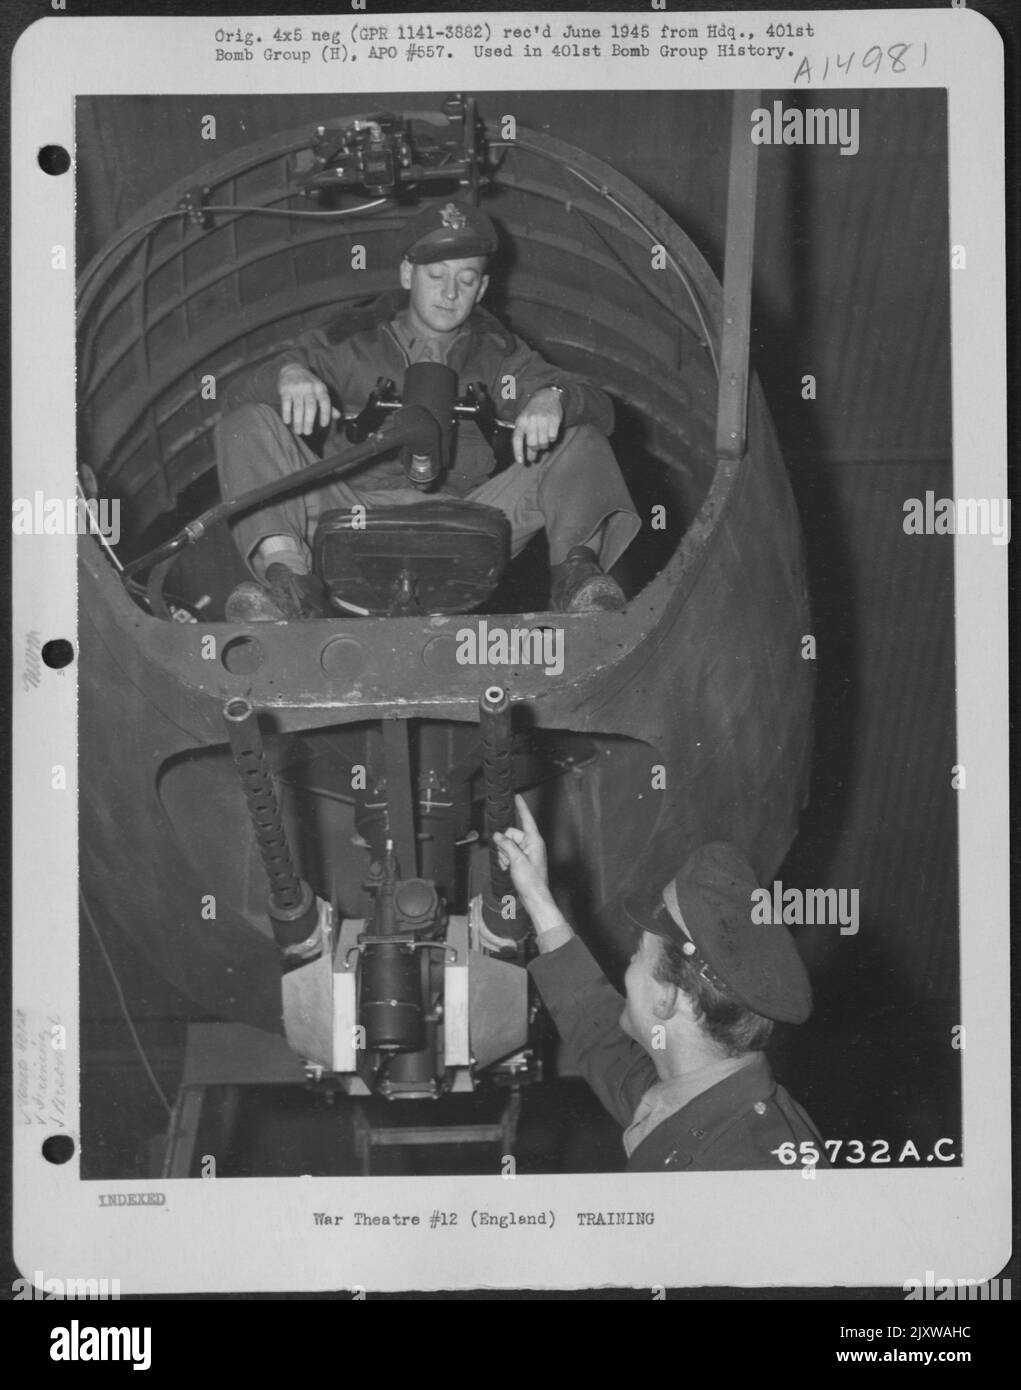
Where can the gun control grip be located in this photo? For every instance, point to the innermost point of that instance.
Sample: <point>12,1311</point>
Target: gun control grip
<point>430,387</point>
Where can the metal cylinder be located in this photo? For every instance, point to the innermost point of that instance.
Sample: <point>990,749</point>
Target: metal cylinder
<point>433,386</point>
<point>391,1003</point>
<point>390,987</point>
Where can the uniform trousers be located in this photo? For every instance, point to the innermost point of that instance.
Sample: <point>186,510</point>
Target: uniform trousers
<point>574,491</point>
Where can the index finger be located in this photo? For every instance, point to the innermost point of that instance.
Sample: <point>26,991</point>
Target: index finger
<point>525,816</point>
<point>516,438</point>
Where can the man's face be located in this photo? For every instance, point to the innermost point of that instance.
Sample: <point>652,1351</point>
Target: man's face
<point>444,293</point>
<point>644,991</point>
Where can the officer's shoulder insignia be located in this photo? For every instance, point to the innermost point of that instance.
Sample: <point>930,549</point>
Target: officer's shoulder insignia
<point>453,217</point>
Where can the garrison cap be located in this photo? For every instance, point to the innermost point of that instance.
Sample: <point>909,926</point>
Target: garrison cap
<point>756,962</point>
<point>448,232</point>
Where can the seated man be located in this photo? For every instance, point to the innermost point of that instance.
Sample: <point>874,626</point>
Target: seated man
<point>681,1064</point>
<point>574,490</point>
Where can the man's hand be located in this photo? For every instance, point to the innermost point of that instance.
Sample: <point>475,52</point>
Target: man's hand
<point>304,400</point>
<point>538,425</point>
<point>523,853</point>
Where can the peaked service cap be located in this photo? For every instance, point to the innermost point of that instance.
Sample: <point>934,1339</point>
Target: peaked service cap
<point>448,232</point>
<point>756,962</point>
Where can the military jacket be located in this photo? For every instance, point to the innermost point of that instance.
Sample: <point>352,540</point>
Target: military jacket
<point>741,1122</point>
<point>353,351</point>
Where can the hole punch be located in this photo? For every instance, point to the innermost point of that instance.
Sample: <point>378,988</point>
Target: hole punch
<point>57,653</point>
<point>54,159</point>
<point>58,1148</point>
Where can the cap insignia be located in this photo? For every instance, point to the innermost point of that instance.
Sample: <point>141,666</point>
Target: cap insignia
<point>452,216</point>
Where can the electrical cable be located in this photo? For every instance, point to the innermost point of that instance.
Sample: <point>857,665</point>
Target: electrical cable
<point>124,1008</point>
<point>382,441</point>
<point>628,270</point>
<point>292,212</point>
<point>622,207</point>
<point>97,532</point>
<point>89,274</point>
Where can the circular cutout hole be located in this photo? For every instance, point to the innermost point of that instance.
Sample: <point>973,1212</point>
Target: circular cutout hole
<point>58,1148</point>
<point>58,653</point>
<point>342,657</point>
<point>242,655</point>
<point>440,654</point>
<point>54,159</point>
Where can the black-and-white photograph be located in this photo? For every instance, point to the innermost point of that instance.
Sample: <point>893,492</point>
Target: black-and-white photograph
<point>516,701</point>
<point>510,531</point>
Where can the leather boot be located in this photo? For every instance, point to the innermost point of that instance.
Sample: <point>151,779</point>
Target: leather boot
<point>580,586</point>
<point>252,603</point>
<point>285,594</point>
<point>298,595</point>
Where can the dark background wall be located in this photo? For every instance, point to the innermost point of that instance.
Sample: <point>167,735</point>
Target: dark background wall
<point>852,286</point>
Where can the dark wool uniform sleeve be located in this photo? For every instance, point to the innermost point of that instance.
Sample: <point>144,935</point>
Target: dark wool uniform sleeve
<point>583,403</point>
<point>586,1009</point>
